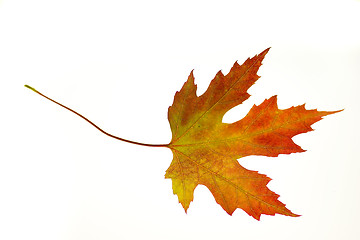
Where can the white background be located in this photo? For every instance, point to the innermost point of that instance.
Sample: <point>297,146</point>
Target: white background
<point>119,63</point>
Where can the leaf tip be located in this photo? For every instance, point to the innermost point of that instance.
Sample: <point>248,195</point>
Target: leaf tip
<point>325,113</point>
<point>185,207</point>
<point>332,112</point>
<point>191,77</point>
<point>263,53</point>
<point>274,98</point>
<point>295,215</point>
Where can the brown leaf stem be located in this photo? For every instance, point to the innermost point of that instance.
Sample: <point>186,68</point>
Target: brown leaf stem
<point>93,124</point>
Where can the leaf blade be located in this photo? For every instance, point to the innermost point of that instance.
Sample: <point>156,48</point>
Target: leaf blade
<point>205,150</point>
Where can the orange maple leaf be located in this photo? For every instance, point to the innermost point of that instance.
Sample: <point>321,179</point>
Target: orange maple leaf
<point>206,150</point>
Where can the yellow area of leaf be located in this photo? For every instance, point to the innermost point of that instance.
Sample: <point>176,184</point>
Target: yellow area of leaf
<point>206,150</point>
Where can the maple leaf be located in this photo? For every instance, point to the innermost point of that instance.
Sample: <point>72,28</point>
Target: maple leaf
<point>205,150</point>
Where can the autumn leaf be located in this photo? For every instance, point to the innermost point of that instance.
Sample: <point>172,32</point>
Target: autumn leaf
<point>206,150</point>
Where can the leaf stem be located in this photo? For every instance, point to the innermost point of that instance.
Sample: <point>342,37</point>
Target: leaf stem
<point>93,124</point>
